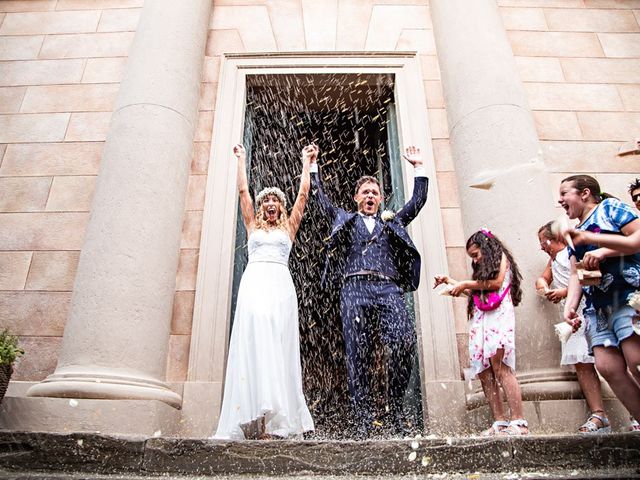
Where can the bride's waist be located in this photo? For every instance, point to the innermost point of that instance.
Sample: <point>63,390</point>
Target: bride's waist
<point>279,261</point>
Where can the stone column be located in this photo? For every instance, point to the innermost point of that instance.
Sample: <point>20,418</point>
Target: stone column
<point>503,182</point>
<point>116,337</point>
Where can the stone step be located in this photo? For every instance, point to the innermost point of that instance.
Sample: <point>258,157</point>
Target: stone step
<point>130,457</point>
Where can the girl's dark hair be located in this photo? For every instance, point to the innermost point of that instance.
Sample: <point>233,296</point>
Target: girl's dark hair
<point>489,268</point>
<point>586,181</point>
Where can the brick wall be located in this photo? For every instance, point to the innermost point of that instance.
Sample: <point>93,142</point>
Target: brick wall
<point>60,66</point>
<point>580,64</point>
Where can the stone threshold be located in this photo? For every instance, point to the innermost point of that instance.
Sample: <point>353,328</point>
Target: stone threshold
<point>143,456</point>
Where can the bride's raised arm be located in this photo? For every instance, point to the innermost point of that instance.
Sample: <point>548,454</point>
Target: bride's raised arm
<point>246,204</point>
<point>309,153</point>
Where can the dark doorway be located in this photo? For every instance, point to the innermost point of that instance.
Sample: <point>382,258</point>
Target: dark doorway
<point>352,119</point>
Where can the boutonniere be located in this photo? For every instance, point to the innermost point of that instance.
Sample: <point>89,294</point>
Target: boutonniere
<point>388,215</point>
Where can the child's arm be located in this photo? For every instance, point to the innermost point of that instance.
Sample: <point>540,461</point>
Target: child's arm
<point>493,284</point>
<point>444,279</point>
<point>626,244</point>
<point>574,294</point>
<point>542,286</point>
<point>545,279</point>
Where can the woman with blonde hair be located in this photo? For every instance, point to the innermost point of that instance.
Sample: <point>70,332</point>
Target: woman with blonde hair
<point>263,395</point>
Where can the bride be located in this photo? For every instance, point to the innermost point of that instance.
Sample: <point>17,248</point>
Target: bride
<point>263,395</point>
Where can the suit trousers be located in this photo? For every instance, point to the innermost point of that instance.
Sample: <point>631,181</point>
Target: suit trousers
<point>370,309</point>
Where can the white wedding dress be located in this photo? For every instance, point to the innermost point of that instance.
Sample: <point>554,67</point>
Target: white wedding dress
<point>264,376</point>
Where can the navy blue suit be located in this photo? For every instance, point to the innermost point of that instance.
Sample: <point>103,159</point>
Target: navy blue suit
<point>370,303</point>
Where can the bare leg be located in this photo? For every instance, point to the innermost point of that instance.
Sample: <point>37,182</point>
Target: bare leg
<point>590,385</point>
<point>611,364</point>
<point>491,391</point>
<point>507,378</point>
<point>631,352</point>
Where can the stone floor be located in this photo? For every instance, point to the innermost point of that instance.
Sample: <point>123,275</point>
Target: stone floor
<point>97,457</point>
<point>532,475</point>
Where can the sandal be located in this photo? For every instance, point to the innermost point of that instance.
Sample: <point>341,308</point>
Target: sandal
<point>516,428</point>
<point>591,428</point>
<point>495,428</point>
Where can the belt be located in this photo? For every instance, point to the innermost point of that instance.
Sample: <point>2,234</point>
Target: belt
<point>369,275</point>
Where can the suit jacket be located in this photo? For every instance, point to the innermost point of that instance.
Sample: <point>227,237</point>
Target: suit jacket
<point>395,239</point>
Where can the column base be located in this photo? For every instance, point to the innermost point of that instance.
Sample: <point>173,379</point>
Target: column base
<point>201,404</point>
<point>113,417</point>
<point>104,386</point>
<point>445,408</point>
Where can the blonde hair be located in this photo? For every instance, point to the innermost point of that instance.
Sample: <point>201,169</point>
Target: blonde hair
<point>261,222</point>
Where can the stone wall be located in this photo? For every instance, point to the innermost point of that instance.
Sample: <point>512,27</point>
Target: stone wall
<point>580,64</point>
<point>60,66</point>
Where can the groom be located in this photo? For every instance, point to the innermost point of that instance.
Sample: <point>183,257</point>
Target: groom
<point>374,262</point>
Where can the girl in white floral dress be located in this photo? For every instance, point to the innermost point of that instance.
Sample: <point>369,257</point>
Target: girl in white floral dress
<point>493,291</point>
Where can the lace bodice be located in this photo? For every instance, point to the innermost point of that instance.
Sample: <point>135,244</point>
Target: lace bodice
<point>269,246</point>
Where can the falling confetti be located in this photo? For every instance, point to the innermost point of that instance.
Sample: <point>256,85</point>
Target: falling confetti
<point>412,456</point>
<point>351,119</point>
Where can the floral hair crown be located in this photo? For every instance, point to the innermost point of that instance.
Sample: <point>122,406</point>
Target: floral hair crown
<point>271,191</point>
<point>486,232</point>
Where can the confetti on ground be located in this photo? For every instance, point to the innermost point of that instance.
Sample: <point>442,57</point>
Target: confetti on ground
<point>425,461</point>
<point>412,456</point>
<point>73,402</point>
<point>415,445</point>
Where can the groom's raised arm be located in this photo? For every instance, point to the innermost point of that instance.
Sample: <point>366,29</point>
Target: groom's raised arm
<point>420,187</point>
<point>328,209</point>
